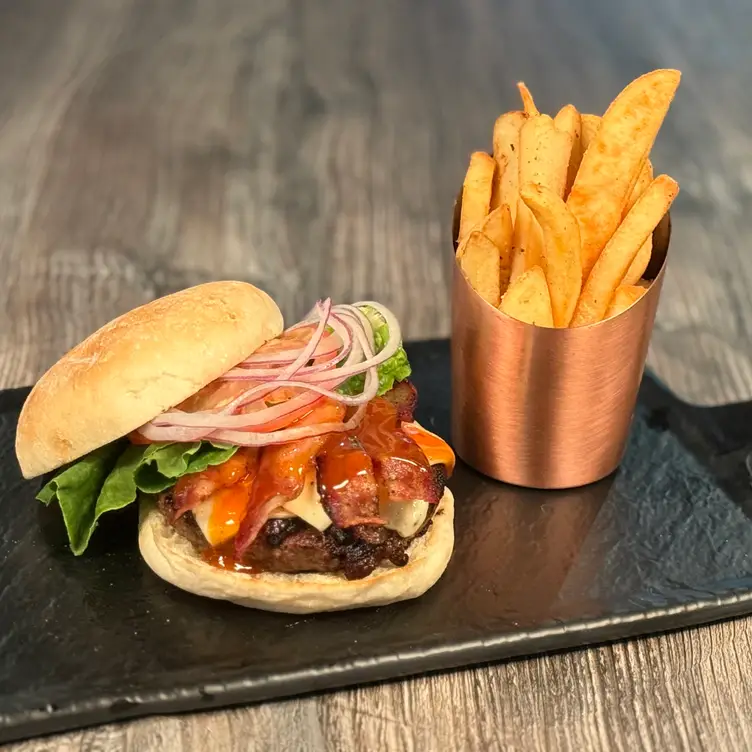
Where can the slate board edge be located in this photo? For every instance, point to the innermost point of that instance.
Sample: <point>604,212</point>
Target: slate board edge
<point>23,725</point>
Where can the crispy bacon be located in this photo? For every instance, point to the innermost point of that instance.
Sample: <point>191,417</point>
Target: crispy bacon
<point>347,483</point>
<point>401,469</point>
<point>192,489</point>
<point>404,396</point>
<point>282,472</point>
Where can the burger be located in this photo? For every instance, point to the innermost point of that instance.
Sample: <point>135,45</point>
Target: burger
<point>281,469</point>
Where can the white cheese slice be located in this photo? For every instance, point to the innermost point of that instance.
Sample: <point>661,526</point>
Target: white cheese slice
<point>202,514</point>
<point>307,506</point>
<point>405,517</point>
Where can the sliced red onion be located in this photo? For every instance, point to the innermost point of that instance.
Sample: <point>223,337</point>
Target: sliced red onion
<point>249,438</point>
<point>268,414</point>
<point>324,309</point>
<point>328,347</point>
<point>335,363</point>
<point>343,335</point>
<point>390,348</point>
<point>357,313</point>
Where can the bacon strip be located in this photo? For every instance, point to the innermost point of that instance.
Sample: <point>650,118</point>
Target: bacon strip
<point>404,396</point>
<point>191,490</point>
<point>347,484</point>
<point>282,472</point>
<point>402,470</point>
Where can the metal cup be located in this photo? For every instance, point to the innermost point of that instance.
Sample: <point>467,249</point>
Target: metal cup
<point>547,408</point>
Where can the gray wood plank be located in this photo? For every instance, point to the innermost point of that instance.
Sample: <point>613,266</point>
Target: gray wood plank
<point>315,149</point>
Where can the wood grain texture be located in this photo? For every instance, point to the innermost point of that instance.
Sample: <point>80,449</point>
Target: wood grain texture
<point>313,149</point>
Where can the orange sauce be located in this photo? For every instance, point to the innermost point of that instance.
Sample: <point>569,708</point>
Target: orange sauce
<point>437,451</point>
<point>229,505</point>
<point>346,462</point>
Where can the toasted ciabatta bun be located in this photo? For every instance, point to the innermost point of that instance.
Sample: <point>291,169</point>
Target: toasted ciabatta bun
<point>175,560</point>
<point>139,365</point>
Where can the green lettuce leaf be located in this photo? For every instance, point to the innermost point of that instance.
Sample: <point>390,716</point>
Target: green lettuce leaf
<point>111,477</point>
<point>397,368</point>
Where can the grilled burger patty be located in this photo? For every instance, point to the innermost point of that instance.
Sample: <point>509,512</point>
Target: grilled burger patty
<point>293,546</point>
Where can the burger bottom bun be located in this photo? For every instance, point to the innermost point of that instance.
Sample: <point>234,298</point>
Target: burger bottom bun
<point>175,560</point>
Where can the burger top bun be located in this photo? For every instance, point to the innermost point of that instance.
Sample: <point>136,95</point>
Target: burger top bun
<point>139,365</point>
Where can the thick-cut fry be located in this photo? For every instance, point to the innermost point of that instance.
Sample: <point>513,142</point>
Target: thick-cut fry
<point>544,154</point>
<point>528,300</point>
<point>560,259</point>
<point>476,191</point>
<point>497,227</point>
<point>506,150</point>
<point>611,165</point>
<point>620,252</point>
<point>640,263</point>
<point>590,125</point>
<point>644,179</point>
<point>642,259</point>
<point>568,119</point>
<point>624,297</point>
<point>544,160</point>
<point>528,102</point>
<point>501,168</point>
<point>479,258</point>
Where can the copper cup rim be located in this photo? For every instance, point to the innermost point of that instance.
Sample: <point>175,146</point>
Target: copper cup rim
<point>653,274</point>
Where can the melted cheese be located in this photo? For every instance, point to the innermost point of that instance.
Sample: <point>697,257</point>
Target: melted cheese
<point>404,517</point>
<point>219,519</point>
<point>308,506</point>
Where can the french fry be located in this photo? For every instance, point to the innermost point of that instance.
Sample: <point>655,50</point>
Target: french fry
<point>528,299</point>
<point>624,297</point>
<point>497,227</point>
<point>501,167</point>
<point>612,163</point>
<point>476,191</point>
<point>590,125</point>
<point>560,260</point>
<point>640,263</point>
<point>642,259</point>
<point>480,260</point>
<point>544,154</point>
<point>620,251</point>
<point>528,102</point>
<point>568,119</point>
<point>544,160</point>
<point>506,150</point>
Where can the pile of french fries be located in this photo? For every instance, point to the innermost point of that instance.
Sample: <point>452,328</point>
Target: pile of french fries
<point>556,226</point>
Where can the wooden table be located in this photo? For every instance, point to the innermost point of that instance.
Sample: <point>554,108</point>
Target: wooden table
<point>315,149</point>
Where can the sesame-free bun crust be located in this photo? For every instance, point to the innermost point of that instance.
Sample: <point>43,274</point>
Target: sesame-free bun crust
<point>175,560</point>
<point>139,365</point>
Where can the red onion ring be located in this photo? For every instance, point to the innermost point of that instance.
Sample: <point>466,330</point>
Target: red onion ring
<point>355,354</point>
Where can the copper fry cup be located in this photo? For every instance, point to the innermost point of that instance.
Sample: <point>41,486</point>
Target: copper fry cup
<point>547,408</point>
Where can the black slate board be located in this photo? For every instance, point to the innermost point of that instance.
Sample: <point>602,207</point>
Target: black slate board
<point>663,543</point>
